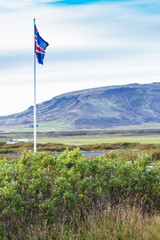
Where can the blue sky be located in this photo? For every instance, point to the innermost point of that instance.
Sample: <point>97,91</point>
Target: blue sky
<point>75,2</point>
<point>91,44</point>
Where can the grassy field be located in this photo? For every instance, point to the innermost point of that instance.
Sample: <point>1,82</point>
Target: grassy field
<point>79,137</point>
<point>99,140</point>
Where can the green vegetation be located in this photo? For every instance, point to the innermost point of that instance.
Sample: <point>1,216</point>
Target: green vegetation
<point>71,197</point>
<point>99,140</point>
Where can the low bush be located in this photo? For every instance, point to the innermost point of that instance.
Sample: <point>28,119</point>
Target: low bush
<point>156,154</point>
<point>66,189</point>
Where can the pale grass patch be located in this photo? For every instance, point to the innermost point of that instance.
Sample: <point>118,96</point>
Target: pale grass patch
<point>112,224</point>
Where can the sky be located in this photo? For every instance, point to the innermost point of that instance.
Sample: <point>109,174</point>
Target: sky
<point>91,44</point>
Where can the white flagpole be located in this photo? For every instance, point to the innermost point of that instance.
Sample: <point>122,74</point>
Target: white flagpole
<point>35,133</point>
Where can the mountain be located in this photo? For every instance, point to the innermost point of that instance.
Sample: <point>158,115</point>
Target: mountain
<point>96,108</point>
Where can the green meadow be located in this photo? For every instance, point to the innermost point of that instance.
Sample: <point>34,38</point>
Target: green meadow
<point>98,140</point>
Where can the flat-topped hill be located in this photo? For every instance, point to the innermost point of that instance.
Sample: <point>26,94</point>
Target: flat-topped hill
<point>96,108</point>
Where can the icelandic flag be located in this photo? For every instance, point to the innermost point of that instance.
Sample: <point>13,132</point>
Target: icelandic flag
<point>40,46</point>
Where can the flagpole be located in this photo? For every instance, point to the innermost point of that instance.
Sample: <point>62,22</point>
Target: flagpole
<point>35,132</point>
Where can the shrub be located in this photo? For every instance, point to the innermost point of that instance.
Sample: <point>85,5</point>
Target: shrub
<point>40,187</point>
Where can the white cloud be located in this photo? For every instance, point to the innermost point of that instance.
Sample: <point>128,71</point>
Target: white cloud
<point>16,4</point>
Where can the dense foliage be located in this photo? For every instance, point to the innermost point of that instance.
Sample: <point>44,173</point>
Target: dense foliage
<point>40,187</point>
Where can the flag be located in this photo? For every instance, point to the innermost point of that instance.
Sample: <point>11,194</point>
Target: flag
<point>40,46</point>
